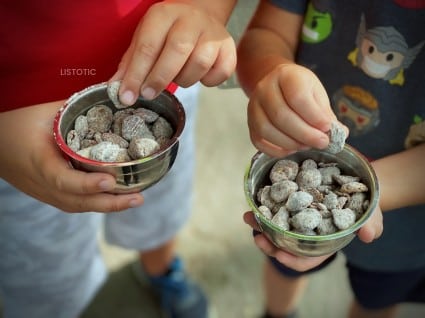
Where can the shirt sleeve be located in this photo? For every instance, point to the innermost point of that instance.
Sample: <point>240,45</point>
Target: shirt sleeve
<point>294,6</point>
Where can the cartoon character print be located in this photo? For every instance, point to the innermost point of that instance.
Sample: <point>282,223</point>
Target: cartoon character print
<point>356,108</point>
<point>317,24</point>
<point>383,53</point>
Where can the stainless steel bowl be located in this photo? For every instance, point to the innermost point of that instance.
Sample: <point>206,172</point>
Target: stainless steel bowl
<point>350,161</point>
<point>132,176</point>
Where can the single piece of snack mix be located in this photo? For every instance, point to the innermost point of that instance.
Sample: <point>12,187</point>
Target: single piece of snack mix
<point>337,137</point>
<point>112,90</point>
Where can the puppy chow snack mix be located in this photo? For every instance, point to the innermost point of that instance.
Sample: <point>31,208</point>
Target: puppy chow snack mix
<point>128,134</point>
<point>337,137</point>
<point>312,198</point>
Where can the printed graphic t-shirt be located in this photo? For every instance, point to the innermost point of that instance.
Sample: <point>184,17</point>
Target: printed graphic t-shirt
<point>370,56</point>
<point>52,49</point>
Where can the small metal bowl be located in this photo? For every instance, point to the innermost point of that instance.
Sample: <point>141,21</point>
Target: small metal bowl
<point>131,176</point>
<point>350,162</point>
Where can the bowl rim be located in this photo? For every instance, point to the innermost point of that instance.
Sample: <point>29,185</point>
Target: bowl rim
<point>373,203</point>
<point>60,139</point>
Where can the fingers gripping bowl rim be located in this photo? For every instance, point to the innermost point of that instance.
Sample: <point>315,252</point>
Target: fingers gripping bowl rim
<point>350,161</point>
<point>131,176</point>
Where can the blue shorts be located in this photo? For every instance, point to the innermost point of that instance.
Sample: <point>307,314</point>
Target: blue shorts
<point>372,289</point>
<point>375,290</point>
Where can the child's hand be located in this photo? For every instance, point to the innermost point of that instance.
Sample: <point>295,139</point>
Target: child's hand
<point>298,263</point>
<point>176,41</point>
<point>288,111</point>
<point>370,231</point>
<point>32,162</point>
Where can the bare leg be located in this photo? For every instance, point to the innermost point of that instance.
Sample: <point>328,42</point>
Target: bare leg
<point>156,262</point>
<point>357,311</point>
<point>282,293</point>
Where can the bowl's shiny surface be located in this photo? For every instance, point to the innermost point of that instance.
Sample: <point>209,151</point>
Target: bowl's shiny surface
<point>350,161</point>
<point>135,175</point>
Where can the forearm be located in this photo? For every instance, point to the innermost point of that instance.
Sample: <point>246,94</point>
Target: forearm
<point>402,178</point>
<point>257,60</point>
<point>270,40</point>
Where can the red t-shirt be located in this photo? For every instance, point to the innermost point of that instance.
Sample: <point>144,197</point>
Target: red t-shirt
<point>52,49</point>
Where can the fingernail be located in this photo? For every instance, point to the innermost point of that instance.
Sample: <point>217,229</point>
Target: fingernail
<point>134,203</point>
<point>148,93</point>
<point>127,98</point>
<point>106,185</point>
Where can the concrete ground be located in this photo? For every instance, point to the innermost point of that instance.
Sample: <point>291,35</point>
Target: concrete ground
<point>216,245</point>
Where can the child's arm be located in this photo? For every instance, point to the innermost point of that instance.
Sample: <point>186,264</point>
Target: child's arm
<point>271,39</point>
<point>402,178</point>
<point>288,108</point>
